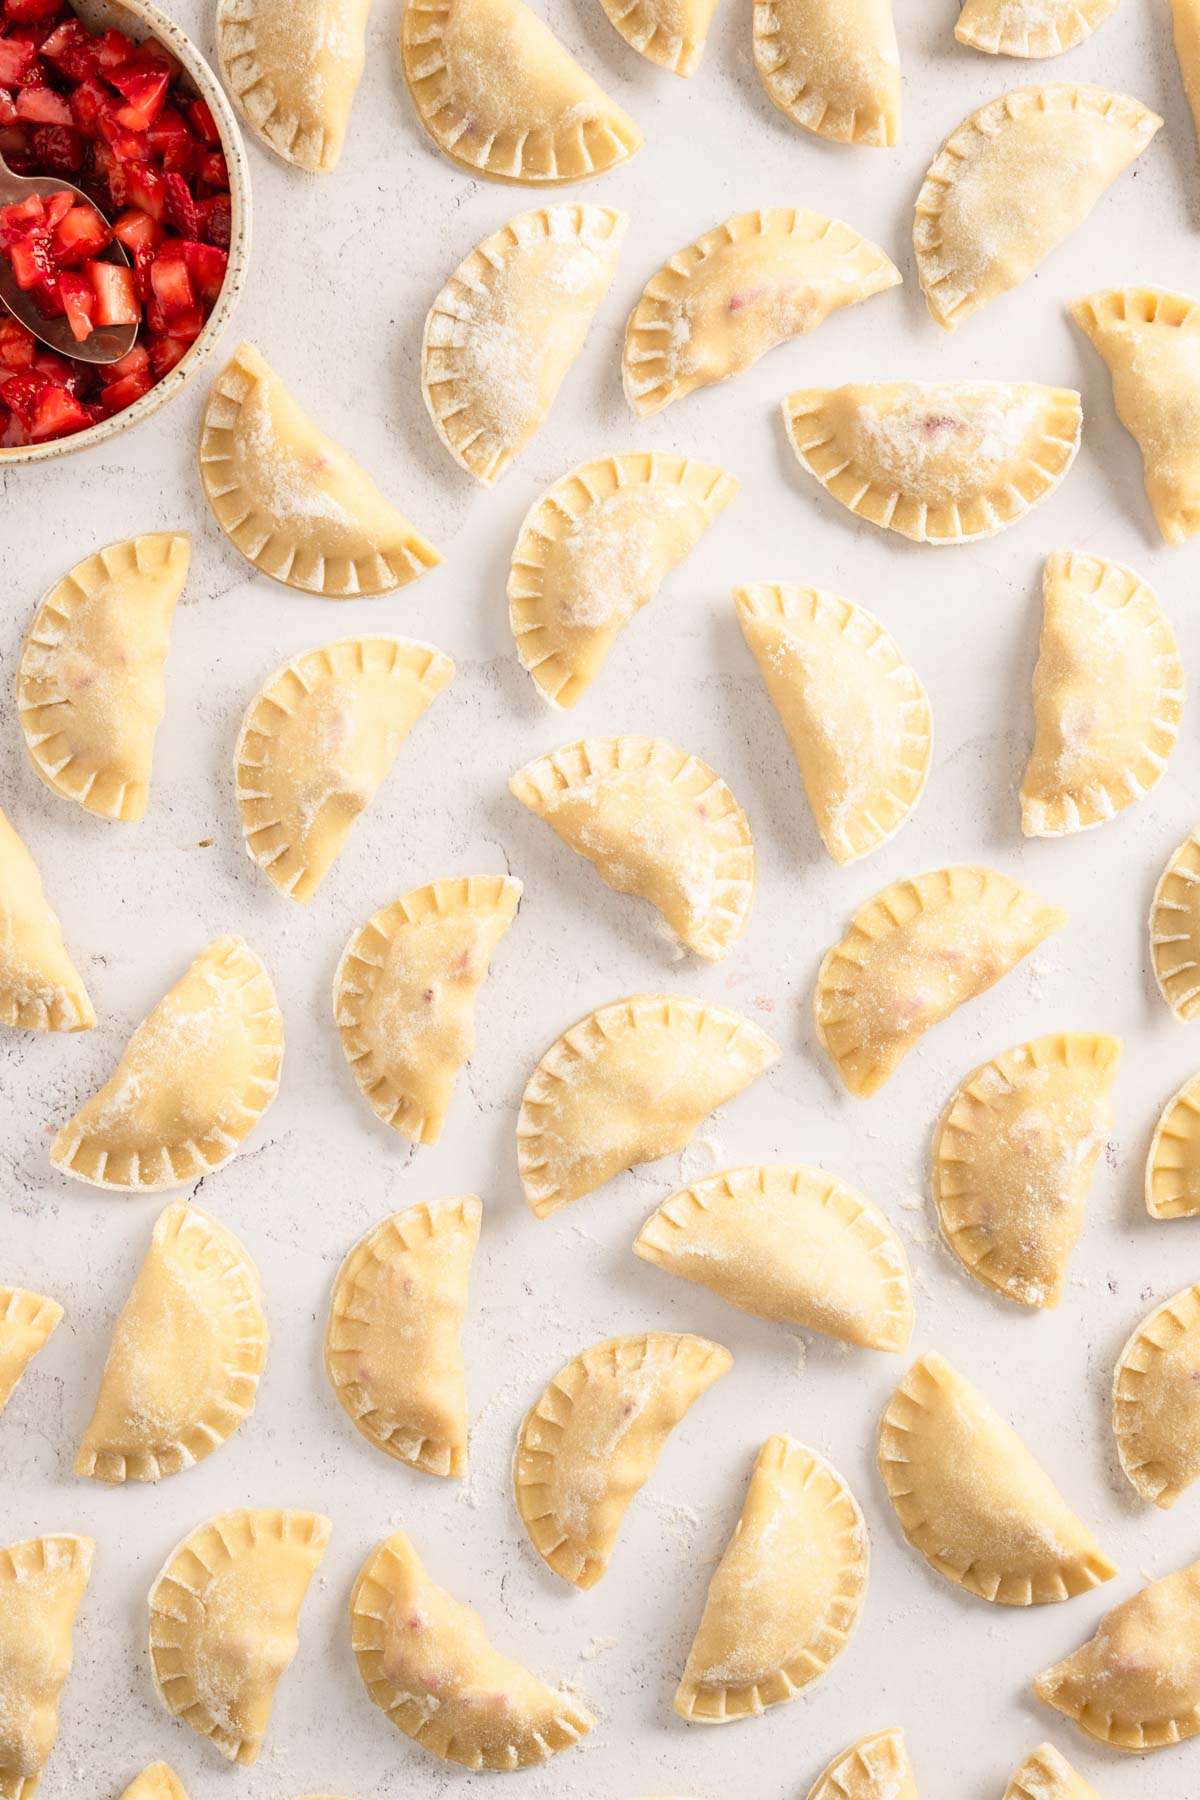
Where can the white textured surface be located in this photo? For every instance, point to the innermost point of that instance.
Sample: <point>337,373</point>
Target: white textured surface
<point>343,271</point>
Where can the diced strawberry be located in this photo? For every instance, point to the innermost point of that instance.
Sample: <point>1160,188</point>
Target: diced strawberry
<point>79,234</point>
<point>113,50</point>
<point>8,109</point>
<point>172,288</point>
<point>181,208</point>
<point>144,188</point>
<point>32,263</point>
<point>58,414</point>
<point>206,266</point>
<point>137,230</point>
<point>57,205</point>
<point>12,433</point>
<point>134,362</point>
<point>58,149</point>
<point>61,373</point>
<point>78,302</point>
<point>71,49</point>
<point>21,393</point>
<point>116,296</point>
<point>165,352</point>
<point>16,59</point>
<point>212,172</point>
<point>28,12</point>
<point>216,220</point>
<point>126,389</point>
<point>20,218</point>
<point>171,143</point>
<point>42,106</point>
<point>145,90</point>
<point>202,122</point>
<point>17,346</point>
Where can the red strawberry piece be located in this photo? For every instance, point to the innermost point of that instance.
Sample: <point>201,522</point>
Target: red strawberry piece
<point>144,189</point>
<point>206,266</point>
<point>58,149</point>
<point>165,352</point>
<point>57,205</point>
<point>79,234</point>
<point>58,414</point>
<point>20,393</point>
<point>212,172</point>
<point>137,230</point>
<point>78,302</point>
<point>172,288</point>
<point>16,59</point>
<point>113,50</point>
<point>181,208</point>
<point>28,12</point>
<point>116,295</point>
<point>202,122</point>
<point>126,389</point>
<point>17,346</point>
<point>135,362</point>
<point>145,90</point>
<point>216,220</point>
<point>8,110</point>
<point>32,263</point>
<point>20,218</point>
<point>72,51</point>
<point>42,106</point>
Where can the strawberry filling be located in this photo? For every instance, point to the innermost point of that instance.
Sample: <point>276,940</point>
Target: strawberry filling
<point>113,117</point>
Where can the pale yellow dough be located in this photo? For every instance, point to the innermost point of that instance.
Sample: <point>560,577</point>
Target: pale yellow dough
<point>913,954</point>
<point>1156,1400</point>
<point>293,72</point>
<point>42,1582</point>
<point>940,462</point>
<point>1173,1164</point>
<point>393,1350</point>
<point>1150,339</point>
<point>291,500</point>
<point>875,1768</point>
<point>589,1444</point>
<point>832,66</point>
<point>158,1782</point>
<point>404,995</point>
<point>1185,16</point>
<point>594,550</point>
<point>1047,1775</point>
<point>1107,696</point>
<point>790,1244</point>
<point>426,1661</point>
<point>1011,182</point>
<point>655,822</point>
<point>316,744</point>
<point>224,1621</point>
<point>503,333</point>
<point>786,1595</point>
<point>193,1080</point>
<point>629,1083</point>
<point>741,289</point>
<point>1031,28</point>
<point>1013,1158</point>
<point>1135,1685</point>
<point>970,1497</point>
<point>1175,930</point>
<point>27,1322</point>
<point>671,33</point>
<point>186,1355</point>
<point>40,987</point>
<point>90,684</point>
<point>855,713</point>
<point>500,96</point>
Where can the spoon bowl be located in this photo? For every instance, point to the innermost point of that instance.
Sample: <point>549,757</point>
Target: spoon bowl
<point>107,343</point>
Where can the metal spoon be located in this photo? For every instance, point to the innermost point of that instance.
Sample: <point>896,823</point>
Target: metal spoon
<point>107,343</point>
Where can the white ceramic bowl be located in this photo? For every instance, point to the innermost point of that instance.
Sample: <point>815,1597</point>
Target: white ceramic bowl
<point>142,19</point>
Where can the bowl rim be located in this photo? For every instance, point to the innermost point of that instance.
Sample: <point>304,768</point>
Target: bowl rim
<point>158,24</point>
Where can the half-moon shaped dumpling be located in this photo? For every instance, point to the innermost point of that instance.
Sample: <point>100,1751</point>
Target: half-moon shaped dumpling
<point>392,1344</point>
<point>855,713</point>
<point>224,1621</point>
<point>594,549</point>
<point>1107,696</point>
<point>1185,16</point>
<point>27,1322</point>
<point>747,285</point>
<point>631,1082</point>
<point>507,326</point>
<point>158,1782</point>
<point>404,995</point>
<point>42,1582</point>
<point>1150,339</point>
<point>1173,1165</point>
<point>425,1660</point>
<point>1029,27</point>
<point>293,72</point>
<point>786,1594</point>
<point>589,1445</point>
<point>1047,1775</point>
<point>876,1768</point>
<point>40,987</point>
<point>500,96</point>
<point>972,1499</point>
<point>832,66</point>
<point>196,1076</point>
<point>656,822</point>
<point>1013,1159</point>
<point>90,686</point>
<point>1175,930</point>
<point>671,33</point>
<point>1011,182</point>
<point>291,500</point>
<point>1156,1400</point>
<point>186,1354</point>
<point>1135,1685</point>
<point>912,955</point>
<point>317,742</point>
<point>942,462</point>
<point>790,1244</point>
